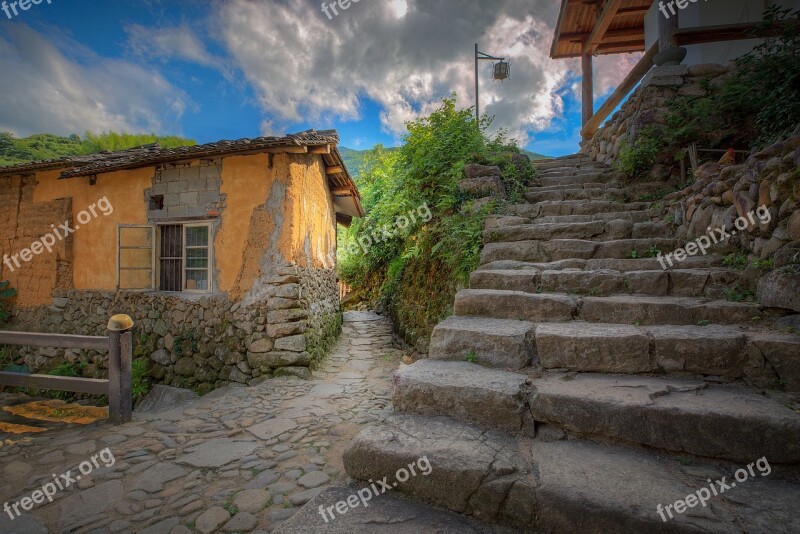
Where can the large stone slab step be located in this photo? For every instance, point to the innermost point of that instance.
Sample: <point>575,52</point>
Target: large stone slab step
<point>648,310</point>
<point>466,392</point>
<point>576,207</point>
<point>618,309</point>
<point>561,486</point>
<point>588,177</point>
<point>651,215</point>
<point>534,195</point>
<point>501,343</point>
<point>560,249</point>
<point>638,264</point>
<point>712,350</point>
<point>676,415</point>
<point>596,230</point>
<point>501,304</point>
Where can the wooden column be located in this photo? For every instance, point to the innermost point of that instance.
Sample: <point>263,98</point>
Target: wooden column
<point>666,32</point>
<point>587,99</point>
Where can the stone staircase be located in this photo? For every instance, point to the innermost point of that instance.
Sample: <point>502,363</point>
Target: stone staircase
<point>580,387</point>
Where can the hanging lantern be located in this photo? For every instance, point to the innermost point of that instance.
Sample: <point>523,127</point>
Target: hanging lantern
<point>502,70</point>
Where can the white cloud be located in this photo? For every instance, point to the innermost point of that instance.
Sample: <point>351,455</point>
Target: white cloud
<point>51,92</point>
<point>169,42</point>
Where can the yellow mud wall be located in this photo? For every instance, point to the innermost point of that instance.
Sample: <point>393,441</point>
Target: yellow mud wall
<point>309,233</point>
<point>246,182</point>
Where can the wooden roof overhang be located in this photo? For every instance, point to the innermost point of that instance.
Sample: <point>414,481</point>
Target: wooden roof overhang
<point>597,27</point>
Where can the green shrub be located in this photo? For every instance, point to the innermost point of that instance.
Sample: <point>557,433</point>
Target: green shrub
<point>636,159</point>
<point>140,384</point>
<point>6,293</point>
<point>416,269</point>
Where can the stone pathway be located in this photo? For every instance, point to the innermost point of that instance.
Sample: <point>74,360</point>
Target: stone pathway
<point>237,460</point>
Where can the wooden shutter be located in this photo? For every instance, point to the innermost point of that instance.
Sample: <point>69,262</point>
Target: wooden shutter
<point>135,257</point>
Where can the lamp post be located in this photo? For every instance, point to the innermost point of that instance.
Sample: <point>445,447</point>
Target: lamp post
<point>501,71</point>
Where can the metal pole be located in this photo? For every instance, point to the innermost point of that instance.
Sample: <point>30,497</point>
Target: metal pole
<point>477,95</point>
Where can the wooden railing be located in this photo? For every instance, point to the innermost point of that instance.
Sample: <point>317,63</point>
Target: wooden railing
<point>119,345</point>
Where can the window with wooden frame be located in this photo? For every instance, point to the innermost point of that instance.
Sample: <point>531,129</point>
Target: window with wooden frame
<point>170,257</point>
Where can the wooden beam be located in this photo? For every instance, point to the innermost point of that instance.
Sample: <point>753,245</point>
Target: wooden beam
<point>92,386</point>
<point>343,191</point>
<point>727,32</point>
<point>619,48</point>
<point>611,35</point>
<point>630,81</point>
<point>324,149</point>
<point>601,26</point>
<point>336,169</point>
<point>60,341</point>
<point>587,95</point>
<point>666,32</point>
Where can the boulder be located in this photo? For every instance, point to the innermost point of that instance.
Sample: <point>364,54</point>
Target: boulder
<point>479,171</point>
<point>162,398</point>
<point>483,186</point>
<point>275,359</point>
<point>780,290</point>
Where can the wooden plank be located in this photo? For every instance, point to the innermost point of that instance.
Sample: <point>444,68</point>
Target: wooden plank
<point>630,81</point>
<point>601,26</point>
<point>336,169</point>
<point>587,96</point>
<point>126,360</point>
<point>60,341</point>
<point>324,149</point>
<point>92,386</point>
<point>611,36</point>
<point>114,378</point>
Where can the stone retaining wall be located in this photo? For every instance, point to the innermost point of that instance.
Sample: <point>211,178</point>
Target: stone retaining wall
<point>201,342</point>
<point>648,105</point>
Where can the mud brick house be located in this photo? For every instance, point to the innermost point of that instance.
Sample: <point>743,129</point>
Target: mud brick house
<point>223,254</point>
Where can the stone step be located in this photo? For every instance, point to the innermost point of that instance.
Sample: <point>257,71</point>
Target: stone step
<point>562,486</point>
<point>676,415</point>
<point>645,310</point>
<point>597,230</point>
<point>675,282</point>
<point>535,195</point>
<point>466,392</point>
<point>712,350</point>
<point>602,177</point>
<point>500,343</point>
<point>562,187</point>
<point>558,249</point>
<point>519,305</point>
<point>631,216</point>
<point>639,264</point>
<point>621,309</point>
<point>575,207</point>
<point>604,282</point>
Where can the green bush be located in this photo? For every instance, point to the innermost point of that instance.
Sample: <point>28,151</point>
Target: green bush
<point>637,159</point>
<point>140,384</point>
<point>415,268</point>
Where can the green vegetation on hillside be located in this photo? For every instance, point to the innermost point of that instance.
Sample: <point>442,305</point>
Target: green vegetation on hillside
<point>48,146</point>
<point>754,106</point>
<point>415,266</point>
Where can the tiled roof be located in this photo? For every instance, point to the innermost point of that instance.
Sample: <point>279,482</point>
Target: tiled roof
<point>153,154</point>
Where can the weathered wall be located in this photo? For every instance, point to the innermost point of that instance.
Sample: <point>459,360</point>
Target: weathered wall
<point>21,222</point>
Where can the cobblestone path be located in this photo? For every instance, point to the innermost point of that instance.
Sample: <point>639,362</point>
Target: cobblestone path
<point>236,460</point>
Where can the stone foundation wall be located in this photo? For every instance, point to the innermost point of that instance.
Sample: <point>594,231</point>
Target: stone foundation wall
<point>647,106</point>
<point>200,342</point>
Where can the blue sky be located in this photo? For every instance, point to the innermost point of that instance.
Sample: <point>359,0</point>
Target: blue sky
<point>226,69</point>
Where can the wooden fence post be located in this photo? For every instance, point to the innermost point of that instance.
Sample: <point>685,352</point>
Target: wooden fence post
<point>120,349</point>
